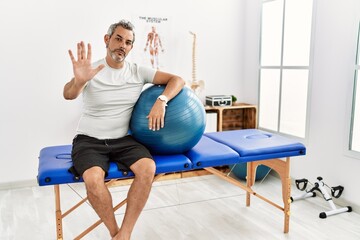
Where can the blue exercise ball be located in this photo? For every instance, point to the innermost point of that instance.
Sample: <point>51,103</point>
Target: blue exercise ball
<point>184,121</point>
<point>240,171</point>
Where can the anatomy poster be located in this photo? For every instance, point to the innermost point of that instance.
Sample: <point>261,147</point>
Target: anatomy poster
<point>152,45</point>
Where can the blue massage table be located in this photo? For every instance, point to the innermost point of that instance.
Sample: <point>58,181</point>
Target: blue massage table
<point>253,146</point>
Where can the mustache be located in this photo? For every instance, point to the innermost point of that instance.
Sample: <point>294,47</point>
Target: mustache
<point>116,49</point>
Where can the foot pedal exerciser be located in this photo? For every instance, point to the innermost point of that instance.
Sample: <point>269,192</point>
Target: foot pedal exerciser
<point>320,186</point>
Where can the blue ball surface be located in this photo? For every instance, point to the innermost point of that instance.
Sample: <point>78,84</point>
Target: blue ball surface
<point>184,121</point>
<point>240,171</point>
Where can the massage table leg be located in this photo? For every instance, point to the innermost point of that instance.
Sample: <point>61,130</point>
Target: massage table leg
<point>59,233</point>
<point>250,179</point>
<point>281,167</point>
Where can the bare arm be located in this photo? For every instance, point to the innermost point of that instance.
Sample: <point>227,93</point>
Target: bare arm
<point>174,84</point>
<point>83,72</point>
<point>72,89</point>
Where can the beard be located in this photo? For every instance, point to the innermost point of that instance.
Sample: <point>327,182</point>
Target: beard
<point>118,55</point>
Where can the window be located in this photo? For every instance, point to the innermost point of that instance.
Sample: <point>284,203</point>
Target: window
<point>355,126</point>
<point>284,65</point>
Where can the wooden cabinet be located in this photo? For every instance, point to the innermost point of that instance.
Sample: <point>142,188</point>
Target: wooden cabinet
<point>237,116</point>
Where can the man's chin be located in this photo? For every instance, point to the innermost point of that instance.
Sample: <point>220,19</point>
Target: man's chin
<point>117,58</point>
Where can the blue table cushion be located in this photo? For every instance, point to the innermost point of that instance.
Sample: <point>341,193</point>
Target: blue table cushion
<point>209,153</point>
<point>213,149</point>
<point>55,161</point>
<point>254,144</point>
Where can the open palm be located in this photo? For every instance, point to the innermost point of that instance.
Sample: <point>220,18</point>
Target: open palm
<point>83,70</point>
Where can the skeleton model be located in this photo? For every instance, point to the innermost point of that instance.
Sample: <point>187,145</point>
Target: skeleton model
<point>319,186</point>
<point>196,85</point>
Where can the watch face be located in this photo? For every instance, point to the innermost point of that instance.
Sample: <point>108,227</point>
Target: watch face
<point>163,98</point>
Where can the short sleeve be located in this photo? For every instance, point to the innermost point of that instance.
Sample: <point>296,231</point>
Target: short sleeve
<point>146,73</point>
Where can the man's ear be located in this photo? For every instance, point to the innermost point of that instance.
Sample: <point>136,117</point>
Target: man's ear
<point>106,39</point>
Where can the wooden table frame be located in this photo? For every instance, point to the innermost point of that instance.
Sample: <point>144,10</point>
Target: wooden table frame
<point>282,167</point>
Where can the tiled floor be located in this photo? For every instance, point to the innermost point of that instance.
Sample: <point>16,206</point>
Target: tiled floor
<point>201,208</point>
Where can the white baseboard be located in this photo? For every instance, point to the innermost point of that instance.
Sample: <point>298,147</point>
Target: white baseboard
<point>344,203</point>
<point>18,184</point>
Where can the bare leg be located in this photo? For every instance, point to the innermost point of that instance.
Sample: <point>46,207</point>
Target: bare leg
<point>144,171</point>
<point>100,197</point>
<point>152,57</point>
<point>156,58</point>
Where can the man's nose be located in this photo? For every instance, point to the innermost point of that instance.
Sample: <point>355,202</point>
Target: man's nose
<point>122,44</point>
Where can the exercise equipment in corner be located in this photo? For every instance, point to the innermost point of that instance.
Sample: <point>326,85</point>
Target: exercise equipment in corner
<point>320,186</point>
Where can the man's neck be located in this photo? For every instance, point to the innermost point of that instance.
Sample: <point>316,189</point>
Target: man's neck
<point>113,64</point>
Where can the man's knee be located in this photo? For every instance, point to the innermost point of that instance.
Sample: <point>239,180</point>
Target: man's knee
<point>93,178</point>
<point>144,168</point>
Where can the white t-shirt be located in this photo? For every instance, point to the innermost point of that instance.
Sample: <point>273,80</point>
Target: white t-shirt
<point>109,99</point>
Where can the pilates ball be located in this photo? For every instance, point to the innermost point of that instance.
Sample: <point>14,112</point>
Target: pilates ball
<point>240,171</point>
<point>184,121</point>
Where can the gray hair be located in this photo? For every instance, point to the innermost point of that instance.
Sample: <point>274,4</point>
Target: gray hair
<point>124,24</point>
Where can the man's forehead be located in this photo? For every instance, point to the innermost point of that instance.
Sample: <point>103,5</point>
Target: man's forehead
<point>124,33</point>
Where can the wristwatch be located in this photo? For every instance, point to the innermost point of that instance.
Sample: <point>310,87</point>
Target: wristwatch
<point>164,99</point>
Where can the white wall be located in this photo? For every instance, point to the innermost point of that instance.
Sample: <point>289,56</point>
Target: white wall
<point>334,48</point>
<point>251,38</point>
<point>35,37</point>
<point>331,92</point>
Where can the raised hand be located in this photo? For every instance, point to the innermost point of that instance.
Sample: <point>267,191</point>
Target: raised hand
<point>83,70</point>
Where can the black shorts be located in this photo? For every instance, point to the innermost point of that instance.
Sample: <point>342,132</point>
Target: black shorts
<point>88,152</point>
